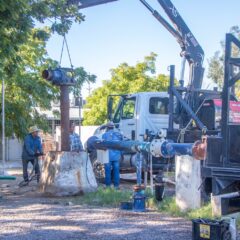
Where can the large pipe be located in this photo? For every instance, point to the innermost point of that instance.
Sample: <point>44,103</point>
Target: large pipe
<point>158,147</point>
<point>128,146</point>
<point>64,105</point>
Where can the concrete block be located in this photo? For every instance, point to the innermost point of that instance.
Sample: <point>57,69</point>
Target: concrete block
<point>67,174</point>
<point>188,180</point>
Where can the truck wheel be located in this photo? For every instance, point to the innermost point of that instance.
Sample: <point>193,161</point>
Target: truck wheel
<point>227,235</point>
<point>98,169</point>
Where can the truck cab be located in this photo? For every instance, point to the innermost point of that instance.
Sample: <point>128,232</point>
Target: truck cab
<point>141,112</point>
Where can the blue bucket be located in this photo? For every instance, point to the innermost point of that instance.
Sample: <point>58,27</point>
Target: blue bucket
<point>139,203</point>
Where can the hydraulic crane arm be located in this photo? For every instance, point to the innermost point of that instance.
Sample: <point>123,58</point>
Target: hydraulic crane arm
<point>191,50</point>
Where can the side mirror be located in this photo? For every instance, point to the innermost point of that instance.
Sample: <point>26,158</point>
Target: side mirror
<point>109,108</point>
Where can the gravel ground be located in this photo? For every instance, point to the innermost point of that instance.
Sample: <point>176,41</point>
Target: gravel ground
<point>26,215</point>
<point>25,219</point>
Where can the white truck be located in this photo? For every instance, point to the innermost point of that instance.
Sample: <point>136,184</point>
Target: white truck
<point>139,113</point>
<point>137,116</point>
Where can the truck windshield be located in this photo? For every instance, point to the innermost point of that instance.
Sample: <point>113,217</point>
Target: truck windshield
<point>125,109</point>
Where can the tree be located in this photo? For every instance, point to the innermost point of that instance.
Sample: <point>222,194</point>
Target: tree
<point>124,79</point>
<point>23,56</point>
<point>216,63</point>
<point>81,77</point>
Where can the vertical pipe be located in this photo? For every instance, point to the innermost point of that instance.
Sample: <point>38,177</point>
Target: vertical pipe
<point>7,149</point>
<point>3,125</point>
<point>151,173</point>
<point>139,169</point>
<point>80,113</point>
<point>171,86</point>
<point>225,100</point>
<point>53,128</point>
<point>64,105</point>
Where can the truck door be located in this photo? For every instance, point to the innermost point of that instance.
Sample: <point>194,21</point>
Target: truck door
<point>126,117</point>
<point>158,112</point>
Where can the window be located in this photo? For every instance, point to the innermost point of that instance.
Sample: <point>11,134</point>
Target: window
<point>158,105</point>
<point>128,108</point>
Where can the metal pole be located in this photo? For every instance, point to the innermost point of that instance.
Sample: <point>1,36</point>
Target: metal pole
<point>151,173</point>
<point>3,125</point>
<point>80,113</point>
<point>171,98</point>
<point>225,100</point>
<point>64,105</point>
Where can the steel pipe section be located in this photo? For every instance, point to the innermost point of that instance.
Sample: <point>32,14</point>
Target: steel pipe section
<point>157,148</point>
<point>128,146</point>
<point>168,149</point>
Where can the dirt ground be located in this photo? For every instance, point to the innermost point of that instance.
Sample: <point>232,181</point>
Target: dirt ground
<point>26,214</point>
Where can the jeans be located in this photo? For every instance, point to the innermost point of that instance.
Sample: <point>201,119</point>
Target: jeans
<point>112,165</point>
<point>25,167</point>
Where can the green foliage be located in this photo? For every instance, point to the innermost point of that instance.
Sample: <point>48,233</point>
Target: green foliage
<point>203,212</point>
<point>81,77</point>
<point>216,63</point>
<point>104,197</point>
<point>23,57</point>
<point>25,89</point>
<point>110,197</point>
<point>124,79</point>
<point>168,205</point>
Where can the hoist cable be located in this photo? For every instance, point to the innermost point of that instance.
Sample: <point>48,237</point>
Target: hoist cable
<point>60,62</point>
<point>68,52</point>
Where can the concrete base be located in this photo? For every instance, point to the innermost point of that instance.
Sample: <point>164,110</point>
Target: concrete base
<point>188,180</point>
<point>67,174</point>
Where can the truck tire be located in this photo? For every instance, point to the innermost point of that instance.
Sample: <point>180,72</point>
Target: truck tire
<point>98,169</point>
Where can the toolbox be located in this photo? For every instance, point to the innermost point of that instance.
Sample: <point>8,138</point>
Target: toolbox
<point>205,229</point>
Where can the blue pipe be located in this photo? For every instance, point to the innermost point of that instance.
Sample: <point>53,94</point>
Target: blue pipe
<point>167,147</point>
<point>128,146</point>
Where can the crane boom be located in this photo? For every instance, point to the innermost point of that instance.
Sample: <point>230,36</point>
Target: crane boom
<point>191,49</point>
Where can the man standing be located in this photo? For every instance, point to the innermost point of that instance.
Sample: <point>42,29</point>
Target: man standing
<point>32,148</point>
<point>74,140</point>
<point>114,157</point>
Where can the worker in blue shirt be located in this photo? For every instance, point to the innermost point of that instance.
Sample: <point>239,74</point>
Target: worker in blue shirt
<point>32,149</point>
<point>74,140</point>
<point>114,157</point>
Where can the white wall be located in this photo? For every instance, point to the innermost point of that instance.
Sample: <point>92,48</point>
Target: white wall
<point>86,132</point>
<point>14,149</point>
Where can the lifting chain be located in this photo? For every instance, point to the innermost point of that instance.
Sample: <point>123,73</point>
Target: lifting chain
<point>68,52</point>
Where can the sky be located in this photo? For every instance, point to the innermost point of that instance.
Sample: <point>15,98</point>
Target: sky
<point>125,31</point>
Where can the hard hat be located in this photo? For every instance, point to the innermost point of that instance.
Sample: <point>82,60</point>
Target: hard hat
<point>33,129</point>
<point>110,125</point>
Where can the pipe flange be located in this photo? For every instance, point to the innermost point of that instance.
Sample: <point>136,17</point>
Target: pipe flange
<point>155,147</point>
